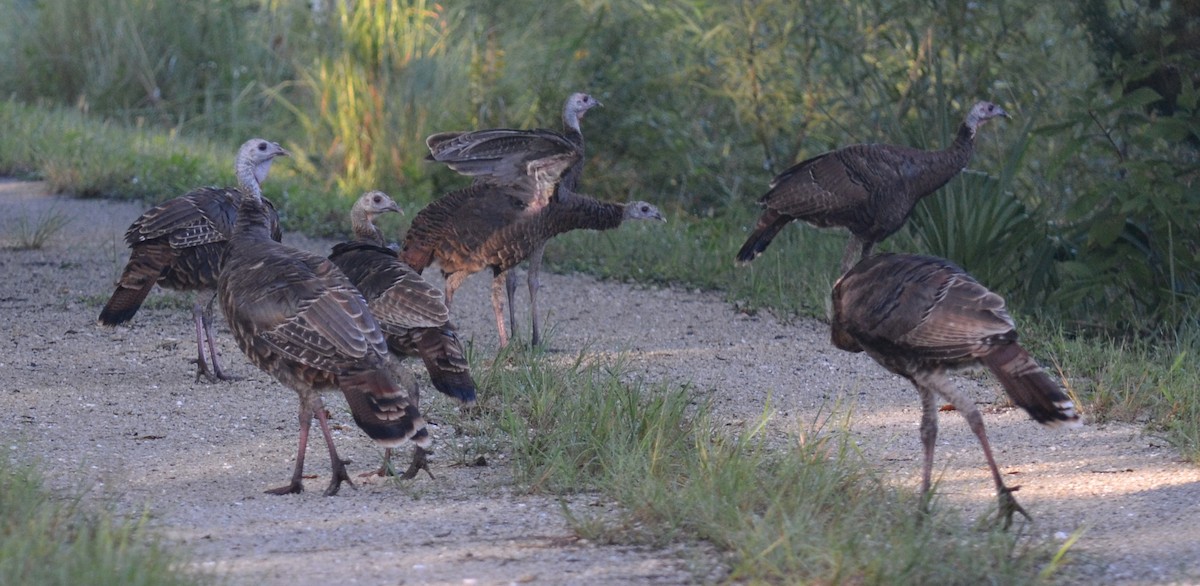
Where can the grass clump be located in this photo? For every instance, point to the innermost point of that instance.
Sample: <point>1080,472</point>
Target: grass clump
<point>35,233</point>
<point>47,540</point>
<point>811,511</point>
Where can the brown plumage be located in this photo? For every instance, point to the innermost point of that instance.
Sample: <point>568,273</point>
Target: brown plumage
<point>411,312</point>
<point>502,156</point>
<point>179,245</point>
<point>519,161</point>
<point>869,189</point>
<point>484,226</point>
<point>920,316</point>
<point>298,318</point>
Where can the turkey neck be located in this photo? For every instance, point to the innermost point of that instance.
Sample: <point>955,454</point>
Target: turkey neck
<point>570,119</point>
<point>364,227</point>
<point>584,212</point>
<point>942,166</point>
<point>573,133</point>
<point>253,220</point>
<point>250,176</point>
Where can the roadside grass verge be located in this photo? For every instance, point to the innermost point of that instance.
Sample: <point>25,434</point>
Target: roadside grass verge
<point>804,509</point>
<point>77,154</point>
<point>1153,381</point>
<point>48,540</point>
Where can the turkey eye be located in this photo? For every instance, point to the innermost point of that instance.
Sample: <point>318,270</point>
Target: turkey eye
<point>378,199</point>
<point>262,146</point>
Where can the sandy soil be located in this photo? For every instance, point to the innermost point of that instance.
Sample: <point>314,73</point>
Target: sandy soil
<point>117,409</point>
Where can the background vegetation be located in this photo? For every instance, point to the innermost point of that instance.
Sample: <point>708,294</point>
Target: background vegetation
<point>1083,210</point>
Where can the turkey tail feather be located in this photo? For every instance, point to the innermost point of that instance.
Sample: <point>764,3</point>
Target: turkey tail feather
<point>131,293</point>
<point>1028,385</point>
<point>381,408</point>
<point>138,278</point>
<point>760,239</point>
<point>446,362</point>
<point>124,304</point>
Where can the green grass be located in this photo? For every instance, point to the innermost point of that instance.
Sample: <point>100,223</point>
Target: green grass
<point>91,158</point>
<point>1149,381</point>
<point>47,540</point>
<point>804,509</point>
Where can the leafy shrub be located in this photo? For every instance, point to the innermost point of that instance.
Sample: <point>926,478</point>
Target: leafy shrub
<point>1133,227</point>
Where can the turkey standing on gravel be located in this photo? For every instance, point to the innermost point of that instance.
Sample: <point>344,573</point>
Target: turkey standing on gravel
<point>503,157</point>
<point>179,244</point>
<point>920,316</point>
<point>479,227</point>
<point>299,319</point>
<point>411,312</point>
<point>870,189</point>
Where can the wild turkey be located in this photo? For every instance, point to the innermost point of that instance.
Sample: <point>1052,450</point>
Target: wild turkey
<point>298,318</point>
<point>503,157</point>
<point>919,316</point>
<point>411,312</point>
<point>870,189</point>
<point>179,244</point>
<point>484,226</point>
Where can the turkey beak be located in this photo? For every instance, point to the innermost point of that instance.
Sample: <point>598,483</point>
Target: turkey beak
<point>658,216</point>
<point>394,207</point>
<point>1004,113</point>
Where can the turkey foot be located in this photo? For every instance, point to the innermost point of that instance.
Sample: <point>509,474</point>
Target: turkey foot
<point>1009,506</point>
<point>419,463</point>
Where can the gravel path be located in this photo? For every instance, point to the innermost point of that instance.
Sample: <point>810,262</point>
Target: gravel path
<point>117,409</point>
